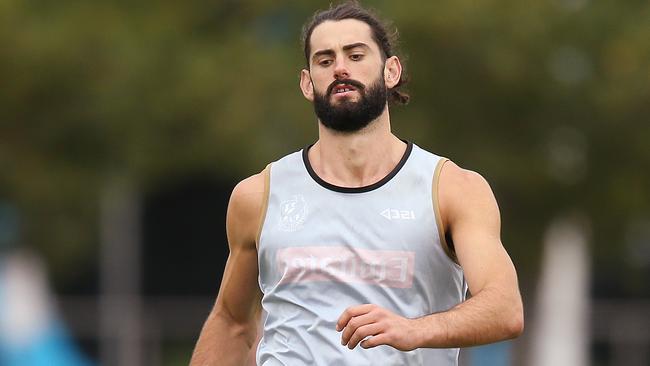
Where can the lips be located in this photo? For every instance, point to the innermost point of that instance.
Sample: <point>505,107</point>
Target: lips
<point>344,87</point>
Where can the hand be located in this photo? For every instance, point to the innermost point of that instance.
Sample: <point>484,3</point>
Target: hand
<point>381,325</point>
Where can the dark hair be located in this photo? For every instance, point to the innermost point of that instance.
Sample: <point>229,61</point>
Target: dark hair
<point>386,41</point>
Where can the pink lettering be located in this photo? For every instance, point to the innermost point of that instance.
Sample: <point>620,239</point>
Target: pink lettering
<point>388,268</point>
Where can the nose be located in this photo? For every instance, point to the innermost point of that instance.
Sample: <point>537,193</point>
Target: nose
<point>341,69</point>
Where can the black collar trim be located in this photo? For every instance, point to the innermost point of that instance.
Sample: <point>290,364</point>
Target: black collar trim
<point>368,188</point>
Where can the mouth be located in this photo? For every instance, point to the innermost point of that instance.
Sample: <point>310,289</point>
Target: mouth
<point>344,87</point>
<point>342,90</point>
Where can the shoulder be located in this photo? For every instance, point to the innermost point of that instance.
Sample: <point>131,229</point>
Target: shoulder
<point>250,187</point>
<point>247,201</point>
<point>453,178</point>
<point>464,191</point>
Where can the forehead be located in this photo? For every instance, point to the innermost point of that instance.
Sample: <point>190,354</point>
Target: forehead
<point>334,34</point>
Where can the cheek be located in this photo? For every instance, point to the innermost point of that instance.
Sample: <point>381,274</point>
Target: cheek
<point>314,77</point>
<point>368,75</point>
<point>320,86</point>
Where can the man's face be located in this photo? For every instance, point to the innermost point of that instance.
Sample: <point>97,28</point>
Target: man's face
<point>346,74</point>
<point>345,114</point>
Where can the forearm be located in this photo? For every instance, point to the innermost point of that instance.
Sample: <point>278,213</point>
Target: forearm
<point>490,316</point>
<point>223,342</point>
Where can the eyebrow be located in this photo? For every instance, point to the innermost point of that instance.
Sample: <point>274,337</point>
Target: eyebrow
<point>347,47</point>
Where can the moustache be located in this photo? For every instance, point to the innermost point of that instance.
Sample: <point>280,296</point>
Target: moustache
<point>350,82</point>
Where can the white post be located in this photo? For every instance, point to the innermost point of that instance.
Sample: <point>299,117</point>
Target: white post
<point>120,308</point>
<point>560,327</point>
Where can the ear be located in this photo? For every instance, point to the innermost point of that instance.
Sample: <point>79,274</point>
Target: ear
<point>392,71</point>
<point>306,85</point>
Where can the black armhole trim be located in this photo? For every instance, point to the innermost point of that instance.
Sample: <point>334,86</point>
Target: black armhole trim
<point>368,188</point>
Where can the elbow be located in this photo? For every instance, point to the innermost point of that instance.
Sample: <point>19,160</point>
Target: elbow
<point>515,325</point>
<point>244,329</point>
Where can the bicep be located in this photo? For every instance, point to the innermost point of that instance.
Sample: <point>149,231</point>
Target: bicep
<point>239,294</point>
<point>474,223</point>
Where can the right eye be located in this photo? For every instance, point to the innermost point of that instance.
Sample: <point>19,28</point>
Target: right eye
<point>325,62</point>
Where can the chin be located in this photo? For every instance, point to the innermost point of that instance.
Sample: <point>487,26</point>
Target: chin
<point>343,100</point>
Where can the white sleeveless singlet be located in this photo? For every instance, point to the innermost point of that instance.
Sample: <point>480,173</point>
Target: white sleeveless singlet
<point>324,248</point>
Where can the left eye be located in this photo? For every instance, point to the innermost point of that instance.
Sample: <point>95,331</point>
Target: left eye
<point>356,57</point>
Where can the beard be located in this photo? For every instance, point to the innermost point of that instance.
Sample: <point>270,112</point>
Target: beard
<point>351,116</point>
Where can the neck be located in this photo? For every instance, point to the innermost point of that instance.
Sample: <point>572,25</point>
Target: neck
<point>357,159</point>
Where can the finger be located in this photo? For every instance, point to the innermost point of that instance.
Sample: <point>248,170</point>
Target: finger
<point>363,332</point>
<point>354,324</point>
<point>351,312</point>
<point>375,341</point>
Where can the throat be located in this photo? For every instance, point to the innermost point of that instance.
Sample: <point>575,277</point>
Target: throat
<point>356,164</point>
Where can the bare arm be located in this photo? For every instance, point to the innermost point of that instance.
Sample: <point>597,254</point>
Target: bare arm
<point>230,330</point>
<point>494,312</point>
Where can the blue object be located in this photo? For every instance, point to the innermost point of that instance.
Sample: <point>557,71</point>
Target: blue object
<point>496,354</point>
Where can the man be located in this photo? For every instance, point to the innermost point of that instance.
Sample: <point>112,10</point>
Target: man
<point>359,249</point>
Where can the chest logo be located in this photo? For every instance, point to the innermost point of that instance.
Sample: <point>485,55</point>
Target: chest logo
<point>293,213</point>
<point>395,214</point>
